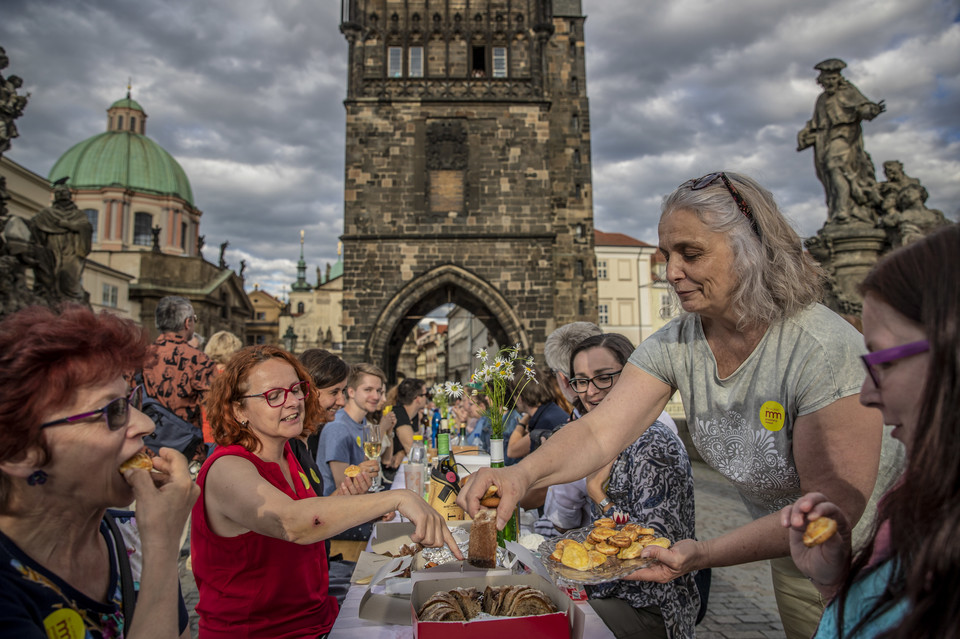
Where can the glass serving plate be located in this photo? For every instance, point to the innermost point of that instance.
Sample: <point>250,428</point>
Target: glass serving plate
<point>611,570</point>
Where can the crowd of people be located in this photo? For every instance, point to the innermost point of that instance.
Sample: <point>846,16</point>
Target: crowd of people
<point>775,396</point>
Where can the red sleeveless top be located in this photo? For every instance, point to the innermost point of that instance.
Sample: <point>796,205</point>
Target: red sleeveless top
<point>256,586</point>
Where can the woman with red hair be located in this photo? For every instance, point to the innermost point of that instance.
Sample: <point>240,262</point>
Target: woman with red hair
<point>68,421</point>
<point>257,527</point>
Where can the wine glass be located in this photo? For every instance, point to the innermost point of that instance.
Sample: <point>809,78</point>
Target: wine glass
<point>372,445</point>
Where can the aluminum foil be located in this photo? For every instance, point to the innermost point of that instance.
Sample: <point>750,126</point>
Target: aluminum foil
<point>443,555</point>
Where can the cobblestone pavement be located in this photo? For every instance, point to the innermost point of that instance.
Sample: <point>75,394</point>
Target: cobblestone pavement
<point>741,605</point>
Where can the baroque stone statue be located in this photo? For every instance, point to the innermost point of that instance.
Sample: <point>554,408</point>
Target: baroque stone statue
<point>843,166</point>
<point>67,233</point>
<point>903,206</point>
<point>223,249</point>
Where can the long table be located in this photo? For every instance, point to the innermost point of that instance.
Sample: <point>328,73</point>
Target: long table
<point>349,621</point>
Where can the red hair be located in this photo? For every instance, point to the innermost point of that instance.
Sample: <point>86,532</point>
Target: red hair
<point>46,356</point>
<point>231,384</point>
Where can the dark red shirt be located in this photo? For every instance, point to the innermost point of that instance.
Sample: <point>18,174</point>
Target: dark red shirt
<point>255,586</point>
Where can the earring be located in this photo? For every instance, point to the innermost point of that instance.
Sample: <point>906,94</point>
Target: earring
<point>37,477</point>
<point>244,423</point>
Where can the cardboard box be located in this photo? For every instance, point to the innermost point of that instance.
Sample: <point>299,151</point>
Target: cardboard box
<point>387,600</point>
<point>568,622</point>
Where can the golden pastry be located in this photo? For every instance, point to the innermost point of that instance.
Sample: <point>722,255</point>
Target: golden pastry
<point>589,545</point>
<point>140,460</point>
<point>605,522</point>
<point>818,531</point>
<point>643,540</point>
<point>663,542</point>
<point>631,552</point>
<point>600,534</point>
<point>619,540</point>
<point>351,471</point>
<point>575,556</point>
<point>596,558</point>
<point>607,549</point>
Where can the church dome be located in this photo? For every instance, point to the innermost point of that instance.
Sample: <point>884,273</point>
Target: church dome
<point>123,156</point>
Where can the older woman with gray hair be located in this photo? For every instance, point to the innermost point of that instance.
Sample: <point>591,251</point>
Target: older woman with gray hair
<point>769,380</point>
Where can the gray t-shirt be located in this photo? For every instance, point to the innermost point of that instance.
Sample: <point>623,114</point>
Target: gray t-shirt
<point>743,425</point>
<point>338,442</point>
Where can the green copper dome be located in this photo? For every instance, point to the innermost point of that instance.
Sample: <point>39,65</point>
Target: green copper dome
<point>127,103</point>
<point>125,159</point>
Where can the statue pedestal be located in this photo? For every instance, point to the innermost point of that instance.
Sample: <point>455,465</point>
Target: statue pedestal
<point>846,252</point>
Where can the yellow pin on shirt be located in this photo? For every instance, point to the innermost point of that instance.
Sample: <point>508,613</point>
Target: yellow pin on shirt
<point>359,443</point>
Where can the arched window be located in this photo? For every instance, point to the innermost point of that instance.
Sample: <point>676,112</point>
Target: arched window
<point>94,216</point>
<point>133,124</point>
<point>300,307</point>
<point>119,123</point>
<point>142,222</point>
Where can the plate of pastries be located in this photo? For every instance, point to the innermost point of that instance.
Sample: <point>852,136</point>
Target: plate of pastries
<point>605,551</point>
<point>464,604</point>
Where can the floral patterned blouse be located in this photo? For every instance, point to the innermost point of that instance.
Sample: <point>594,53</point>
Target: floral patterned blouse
<point>35,603</point>
<point>653,483</point>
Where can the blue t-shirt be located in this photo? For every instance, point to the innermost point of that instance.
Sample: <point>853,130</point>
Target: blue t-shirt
<point>36,603</point>
<point>862,596</point>
<point>338,442</point>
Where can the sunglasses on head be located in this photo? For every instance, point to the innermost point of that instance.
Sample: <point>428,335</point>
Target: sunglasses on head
<point>710,178</point>
<point>117,411</point>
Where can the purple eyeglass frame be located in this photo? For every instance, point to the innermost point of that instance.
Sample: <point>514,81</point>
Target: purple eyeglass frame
<point>135,399</point>
<point>891,355</point>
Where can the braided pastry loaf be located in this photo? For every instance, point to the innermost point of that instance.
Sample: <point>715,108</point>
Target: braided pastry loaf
<point>463,604</point>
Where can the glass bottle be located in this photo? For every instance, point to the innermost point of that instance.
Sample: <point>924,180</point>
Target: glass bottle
<point>510,532</point>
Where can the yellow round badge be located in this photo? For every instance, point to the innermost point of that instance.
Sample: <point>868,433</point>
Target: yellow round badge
<point>772,416</point>
<point>64,624</point>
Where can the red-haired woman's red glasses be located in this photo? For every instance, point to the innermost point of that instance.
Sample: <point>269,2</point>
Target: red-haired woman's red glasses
<point>710,178</point>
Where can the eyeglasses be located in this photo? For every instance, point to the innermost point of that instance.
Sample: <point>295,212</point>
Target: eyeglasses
<point>117,411</point>
<point>874,362</point>
<point>277,397</point>
<point>707,180</point>
<point>600,382</point>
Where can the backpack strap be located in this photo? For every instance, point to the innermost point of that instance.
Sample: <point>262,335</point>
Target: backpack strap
<point>126,574</point>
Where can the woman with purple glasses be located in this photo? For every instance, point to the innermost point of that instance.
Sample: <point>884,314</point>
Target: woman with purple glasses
<point>68,421</point>
<point>904,581</point>
<point>769,381</point>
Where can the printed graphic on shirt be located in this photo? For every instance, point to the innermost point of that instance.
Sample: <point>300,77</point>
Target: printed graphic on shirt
<point>750,459</point>
<point>772,415</point>
<point>64,624</point>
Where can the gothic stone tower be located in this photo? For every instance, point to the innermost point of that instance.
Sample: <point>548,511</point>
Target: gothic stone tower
<point>467,170</point>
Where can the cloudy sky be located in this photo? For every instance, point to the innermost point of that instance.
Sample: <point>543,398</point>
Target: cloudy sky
<point>247,95</point>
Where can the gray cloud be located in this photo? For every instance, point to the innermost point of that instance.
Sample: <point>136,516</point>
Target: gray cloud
<point>247,95</point>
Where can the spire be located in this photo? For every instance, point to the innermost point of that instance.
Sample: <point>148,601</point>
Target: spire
<point>301,283</point>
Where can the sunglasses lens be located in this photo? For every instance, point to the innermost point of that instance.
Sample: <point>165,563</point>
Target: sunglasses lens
<point>117,413</point>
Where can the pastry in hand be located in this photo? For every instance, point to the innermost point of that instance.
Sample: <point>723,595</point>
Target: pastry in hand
<point>140,460</point>
<point>490,498</point>
<point>351,471</point>
<point>818,531</point>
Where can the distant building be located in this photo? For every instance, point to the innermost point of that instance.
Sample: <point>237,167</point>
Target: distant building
<point>146,228</point>
<point>264,328</point>
<point>634,298</point>
<point>465,335</point>
<point>314,311</point>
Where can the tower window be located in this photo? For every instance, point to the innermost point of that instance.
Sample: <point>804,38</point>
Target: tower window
<point>499,62</point>
<point>183,235</point>
<point>141,229</point>
<point>133,124</point>
<point>395,62</point>
<point>416,62</point>
<point>478,62</point>
<point>603,313</point>
<point>300,308</point>
<point>579,270</point>
<point>93,215</point>
<point>119,123</point>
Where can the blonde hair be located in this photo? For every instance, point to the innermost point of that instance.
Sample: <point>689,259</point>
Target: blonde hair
<point>221,346</point>
<point>776,278</point>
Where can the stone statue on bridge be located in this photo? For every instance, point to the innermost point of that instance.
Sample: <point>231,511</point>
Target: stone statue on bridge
<point>843,166</point>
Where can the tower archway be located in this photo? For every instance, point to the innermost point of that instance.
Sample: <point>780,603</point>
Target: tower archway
<point>444,284</point>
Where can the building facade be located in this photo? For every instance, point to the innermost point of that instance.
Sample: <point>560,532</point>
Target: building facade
<point>467,170</point>
<point>146,229</point>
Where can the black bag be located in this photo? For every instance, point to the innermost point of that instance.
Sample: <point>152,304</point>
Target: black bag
<point>171,430</point>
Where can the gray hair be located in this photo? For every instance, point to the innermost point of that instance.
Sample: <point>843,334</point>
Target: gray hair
<point>172,313</point>
<point>563,340</point>
<point>776,278</point>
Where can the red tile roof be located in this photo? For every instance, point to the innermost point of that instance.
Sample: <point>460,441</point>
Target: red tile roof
<point>616,239</point>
